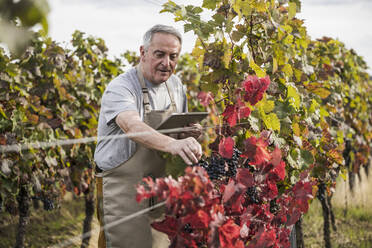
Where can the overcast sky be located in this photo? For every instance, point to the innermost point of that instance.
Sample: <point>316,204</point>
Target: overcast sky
<point>121,23</point>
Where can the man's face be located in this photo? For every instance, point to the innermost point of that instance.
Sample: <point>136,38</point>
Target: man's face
<point>160,58</point>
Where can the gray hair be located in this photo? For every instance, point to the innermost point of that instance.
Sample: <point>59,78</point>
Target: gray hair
<point>159,28</point>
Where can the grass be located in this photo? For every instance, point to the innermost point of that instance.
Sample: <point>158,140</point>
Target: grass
<point>353,230</point>
<point>47,228</point>
<point>354,226</point>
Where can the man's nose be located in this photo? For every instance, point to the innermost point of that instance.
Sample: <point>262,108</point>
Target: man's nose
<point>166,61</point>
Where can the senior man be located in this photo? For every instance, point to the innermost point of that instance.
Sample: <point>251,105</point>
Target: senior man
<point>132,103</point>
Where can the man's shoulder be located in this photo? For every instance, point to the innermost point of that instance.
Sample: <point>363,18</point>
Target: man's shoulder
<point>126,80</point>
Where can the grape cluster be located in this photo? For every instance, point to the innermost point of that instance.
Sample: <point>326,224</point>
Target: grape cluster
<point>274,207</point>
<point>187,228</point>
<point>252,195</point>
<point>47,204</point>
<point>218,167</point>
<point>233,163</point>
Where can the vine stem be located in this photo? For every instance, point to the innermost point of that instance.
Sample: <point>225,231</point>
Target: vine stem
<point>325,207</point>
<point>24,216</point>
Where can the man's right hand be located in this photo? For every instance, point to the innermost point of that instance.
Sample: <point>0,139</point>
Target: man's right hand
<point>188,149</point>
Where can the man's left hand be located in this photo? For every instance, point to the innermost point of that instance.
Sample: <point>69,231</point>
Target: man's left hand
<point>195,132</point>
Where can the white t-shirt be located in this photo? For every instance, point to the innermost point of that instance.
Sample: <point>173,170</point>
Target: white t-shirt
<point>123,94</point>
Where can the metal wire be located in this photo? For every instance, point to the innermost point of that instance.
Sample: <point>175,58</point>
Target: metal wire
<point>79,238</point>
<point>46,144</point>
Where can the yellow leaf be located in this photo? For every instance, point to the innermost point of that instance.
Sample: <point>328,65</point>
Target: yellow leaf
<point>272,122</point>
<point>275,65</point>
<point>32,118</point>
<point>2,112</point>
<point>296,129</point>
<point>294,96</point>
<point>198,53</point>
<point>268,106</point>
<point>322,92</point>
<point>292,10</point>
<point>318,89</point>
<point>287,69</point>
<point>336,156</point>
<point>226,57</point>
<point>259,5</point>
<point>259,72</point>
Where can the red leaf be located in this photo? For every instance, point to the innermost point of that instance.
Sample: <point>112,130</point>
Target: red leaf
<point>245,177</point>
<point>279,170</point>
<point>205,97</point>
<point>230,115</point>
<point>228,233</point>
<point>255,88</point>
<point>276,156</point>
<point>235,112</point>
<point>243,111</point>
<point>229,191</point>
<point>199,220</point>
<point>256,150</point>
<point>226,147</point>
<point>263,238</point>
<point>168,226</point>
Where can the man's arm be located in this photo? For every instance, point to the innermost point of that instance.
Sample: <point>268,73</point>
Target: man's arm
<point>188,149</point>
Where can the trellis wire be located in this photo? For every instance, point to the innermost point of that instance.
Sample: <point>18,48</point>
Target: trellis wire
<point>78,238</point>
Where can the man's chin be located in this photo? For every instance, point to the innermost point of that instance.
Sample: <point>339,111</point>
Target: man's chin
<point>162,79</point>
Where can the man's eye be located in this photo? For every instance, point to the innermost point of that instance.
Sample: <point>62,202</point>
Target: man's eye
<point>158,55</point>
<point>173,56</point>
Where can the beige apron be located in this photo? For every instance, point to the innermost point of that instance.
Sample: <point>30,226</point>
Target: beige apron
<point>116,192</point>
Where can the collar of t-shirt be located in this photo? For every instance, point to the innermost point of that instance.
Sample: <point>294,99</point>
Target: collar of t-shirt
<point>158,94</point>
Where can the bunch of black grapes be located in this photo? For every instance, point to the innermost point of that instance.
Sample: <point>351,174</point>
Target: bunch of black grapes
<point>48,203</point>
<point>218,167</point>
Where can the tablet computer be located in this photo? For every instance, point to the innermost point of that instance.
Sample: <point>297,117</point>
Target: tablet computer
<point>177,120</point>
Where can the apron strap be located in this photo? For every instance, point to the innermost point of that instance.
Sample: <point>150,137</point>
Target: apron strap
<point>145,92</point>
<point>173,103</point>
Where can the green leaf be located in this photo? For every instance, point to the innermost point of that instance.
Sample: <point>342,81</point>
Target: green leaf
<point>212,87</point>
<point>306,159</point>
<point>209,4</point>
<point>236,36</point>
<point>283,109</point>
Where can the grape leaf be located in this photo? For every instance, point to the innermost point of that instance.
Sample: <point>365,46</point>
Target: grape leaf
<point>226,147</point>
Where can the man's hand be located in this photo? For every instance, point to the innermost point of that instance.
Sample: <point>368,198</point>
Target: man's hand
<point>188,149</point>
<point>195,132</point>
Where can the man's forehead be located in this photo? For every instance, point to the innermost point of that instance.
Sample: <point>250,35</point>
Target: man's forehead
<point>165,40</point>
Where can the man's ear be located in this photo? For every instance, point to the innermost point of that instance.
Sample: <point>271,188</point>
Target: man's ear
<point>142,51</point>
